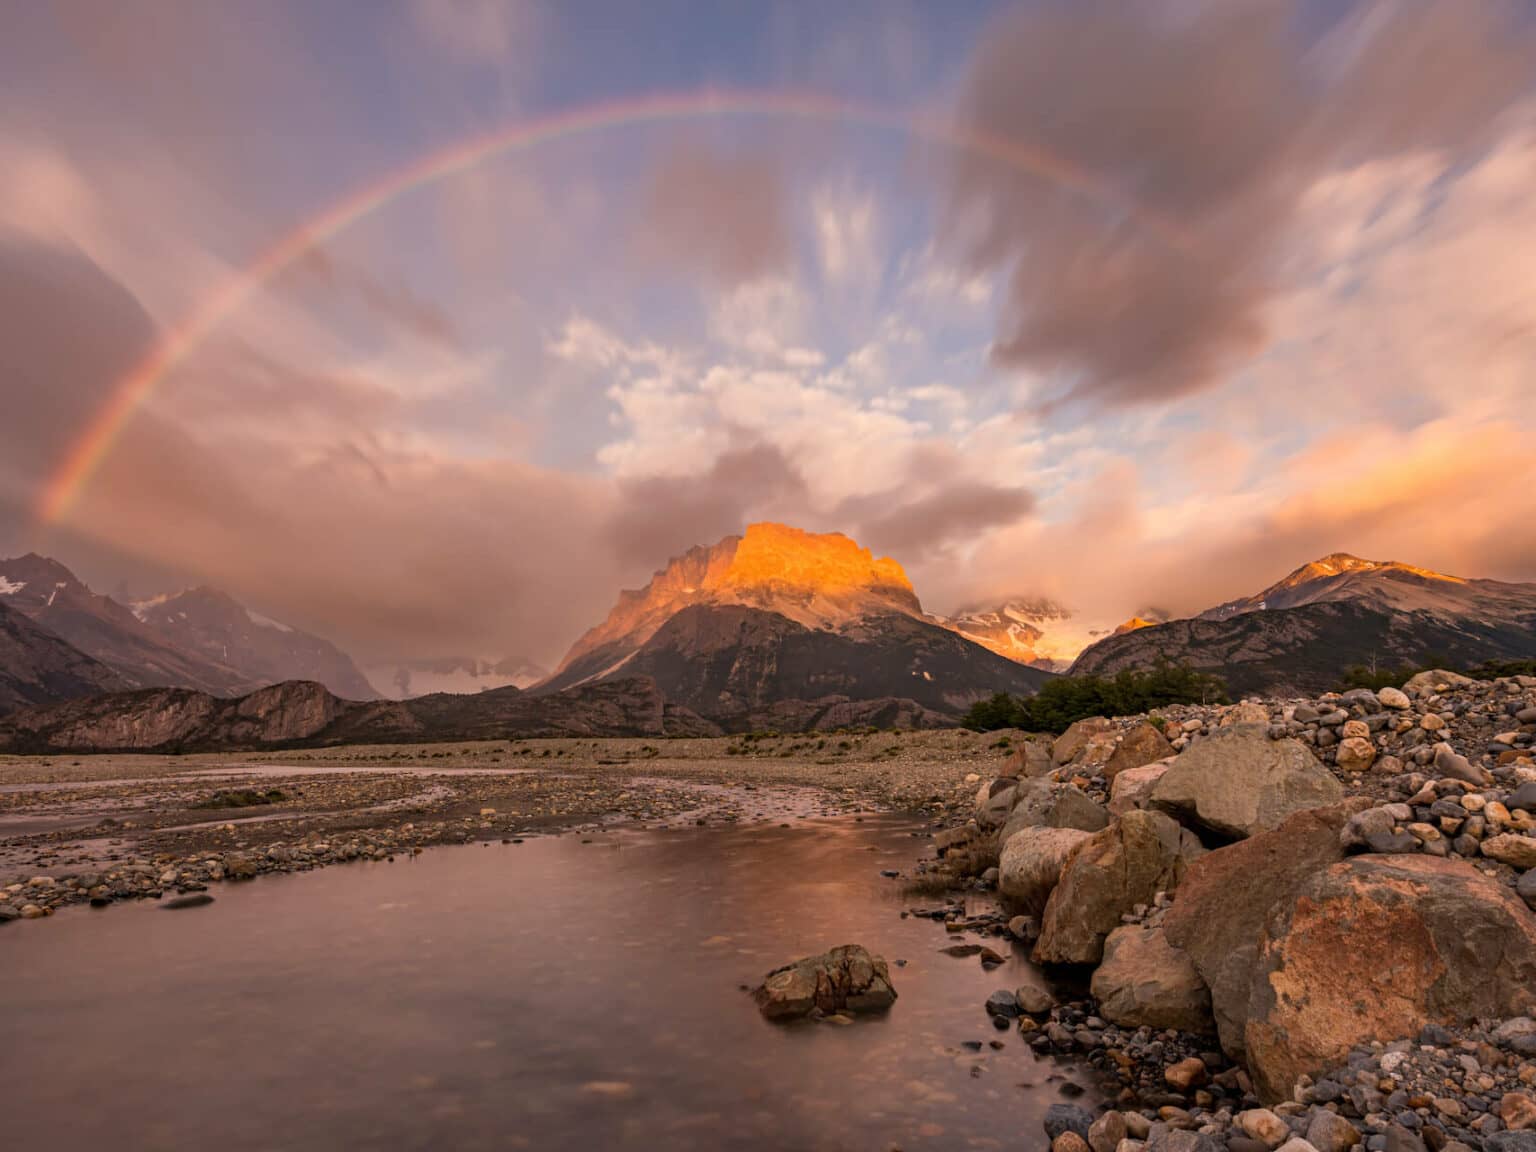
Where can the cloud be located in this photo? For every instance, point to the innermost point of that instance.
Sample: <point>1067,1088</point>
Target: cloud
<point>914,528</point>
<point>719,215</point>
<point>1189,136</point>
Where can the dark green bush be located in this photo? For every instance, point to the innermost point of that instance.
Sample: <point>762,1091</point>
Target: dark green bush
<point>1066,699</point>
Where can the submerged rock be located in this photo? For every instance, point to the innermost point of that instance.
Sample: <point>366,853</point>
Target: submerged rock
<point>845,979</point>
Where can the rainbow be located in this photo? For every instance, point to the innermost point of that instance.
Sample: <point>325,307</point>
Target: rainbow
<point>88,451</point>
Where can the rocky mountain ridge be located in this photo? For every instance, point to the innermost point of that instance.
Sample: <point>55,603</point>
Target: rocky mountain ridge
<point>1301,633</point>
<point>38,668</point>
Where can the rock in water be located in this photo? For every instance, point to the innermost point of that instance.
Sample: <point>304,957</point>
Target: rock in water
<point>1225,898</point>
<point>1238,782</point>
<point>846,979</point>
<point>1375,948</point>
<point>1144,981</point>
<point>1129,863</point>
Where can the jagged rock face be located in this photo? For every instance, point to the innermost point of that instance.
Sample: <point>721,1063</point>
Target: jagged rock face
<point>212,625</point>
<point>732,663</point>
<point>39,668</point>
<point>52,596</point>
<point>824,582</point>
<point>1374,948</point>
<point>1297,636</point>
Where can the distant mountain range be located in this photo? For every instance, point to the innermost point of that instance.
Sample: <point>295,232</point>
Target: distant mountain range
<point>1034,631</point>
<point>775,628</point>
<point>199,639</point>
<point>736,629</point>
<point>1298,635</point>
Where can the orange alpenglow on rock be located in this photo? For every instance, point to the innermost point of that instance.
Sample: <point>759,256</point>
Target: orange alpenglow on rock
<point>1133,624</point>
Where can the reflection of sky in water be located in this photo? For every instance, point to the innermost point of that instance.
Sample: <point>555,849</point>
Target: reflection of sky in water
<point>549,995</point>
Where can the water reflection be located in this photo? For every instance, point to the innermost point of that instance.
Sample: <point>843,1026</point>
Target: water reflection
<point>555,994</point>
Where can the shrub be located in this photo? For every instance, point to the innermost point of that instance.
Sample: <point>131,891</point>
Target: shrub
<point>1067,699</point>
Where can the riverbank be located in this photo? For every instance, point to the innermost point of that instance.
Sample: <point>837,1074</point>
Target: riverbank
<point>113,827</point>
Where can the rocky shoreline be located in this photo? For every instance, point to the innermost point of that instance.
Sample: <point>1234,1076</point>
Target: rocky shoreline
<point>1309,924</point>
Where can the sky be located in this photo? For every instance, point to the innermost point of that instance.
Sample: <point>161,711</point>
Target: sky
<point>461,315</point>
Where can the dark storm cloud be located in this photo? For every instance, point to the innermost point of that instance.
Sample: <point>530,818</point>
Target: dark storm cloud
<point>912,528</point>
<point>662,516</point>
<point>722,215</point>
<point>1199,128</point>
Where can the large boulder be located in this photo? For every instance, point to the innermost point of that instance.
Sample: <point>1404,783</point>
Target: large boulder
<point>846,979</point>
<point>1376,947</point>
<point>1224,900</point>
<point>1435,680</point>
<point>1031,864</point>
<point>1046,804</point>
<point>1071,743</point>
<point>1133,787</point>
<point>1238,781</point>
<point>1108,874</point>
<point>1144,981</point>
<point>1141,745</point>
<point>994,801</point>
<point>1029,760</point>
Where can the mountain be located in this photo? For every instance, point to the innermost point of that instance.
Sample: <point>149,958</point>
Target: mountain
<point>51,595</point>
<point>1298,635</point>
<point>210,624</point>
<point>777,614</point>
<point>1033,631</point>
<point>401,679</point>
<point>305,714</point>
<point>38,668</point>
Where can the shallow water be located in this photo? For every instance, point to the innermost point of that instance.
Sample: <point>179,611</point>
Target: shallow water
<point>551,995</point>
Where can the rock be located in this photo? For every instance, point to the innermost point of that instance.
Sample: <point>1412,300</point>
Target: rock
<point>1245,715</point>
<point>1046,804</point>
<point>1518,1111</point>
<point>1449,764</point>
<point>1525,888</point>
<point>1330,1132</point>
<point>1435,680</point>
<point>1264,1126</point>
<point>1186,1074</point>
<point>1297,1144</point>
<point>1128,863</point>
<point>1144,981</point>
<point>1139,747</point>
<point>1510,1142</point>
<point>1238,781</point>
<point>1107,1132</point>
<point>1031,864</point>
<point>1375,948</point>
<point>1355,753</point>
<point>1029,761</point>
<point>994,802</point>
<point>1393,698</point>
<point>1523,797</point>
<point>1002,1003</point>
<point>1513,849</point>
<point>1071,742</point>
<point>1070,1142</point>
<point>847,978</point>
<point>1061,1118</point>
<point>1133,787</point>
<point>196,900</point>
<point>1226,895</point>
<point>1034,999</point>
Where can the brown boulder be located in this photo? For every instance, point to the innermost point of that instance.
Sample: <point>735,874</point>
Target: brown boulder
<point>1072,742</point>
<point>1225,898</point>
<point>1374,948</point>
<point>1108,874</point>
<point>847,978</point>
<point>1144,981</point>
<point>1237,781</point>
<point>1031,863</point>
<point>1044,803</point>
<point>1140,746</point>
